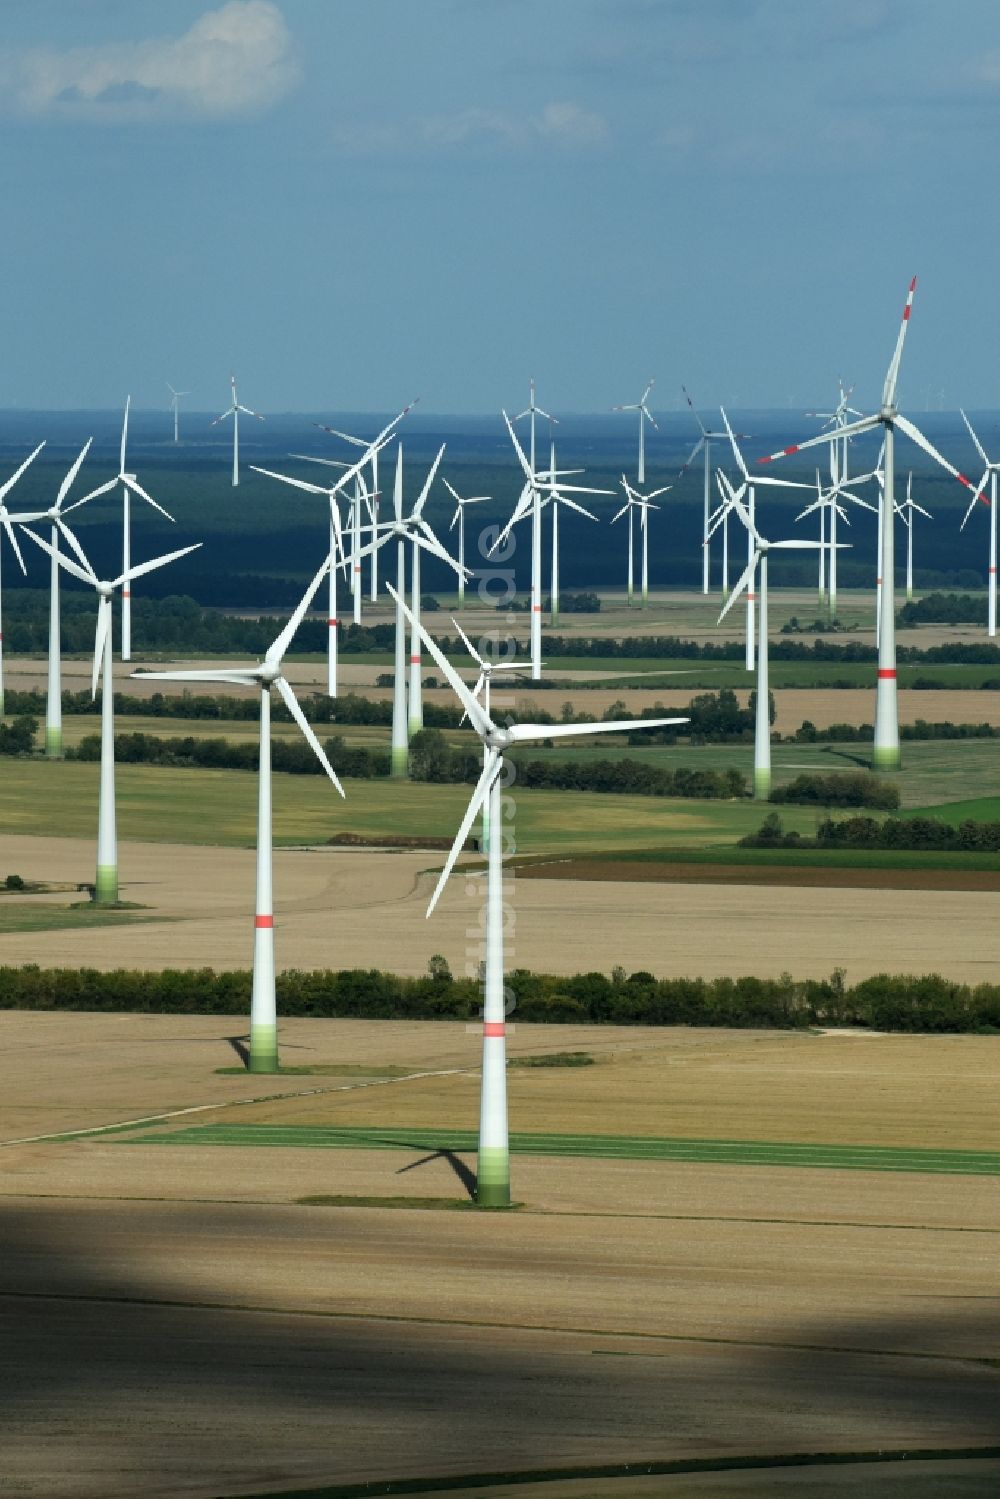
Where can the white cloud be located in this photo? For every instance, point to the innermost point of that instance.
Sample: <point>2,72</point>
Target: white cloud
<point>562,124</point>
<point>232,61</point>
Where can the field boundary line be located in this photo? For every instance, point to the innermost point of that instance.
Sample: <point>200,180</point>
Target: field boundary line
<point>232,1103</point>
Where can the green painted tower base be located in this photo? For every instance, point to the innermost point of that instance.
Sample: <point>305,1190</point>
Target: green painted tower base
<point>54,744</point>
<point>886,757</point>
<point>106,888</point>
<point>761,785</point>
<point>399,762</point>
<point>493,1178</point>
<point>263,1049</point>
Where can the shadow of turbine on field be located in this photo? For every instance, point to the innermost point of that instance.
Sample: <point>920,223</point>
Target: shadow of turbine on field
<point>127,1323</point>
<point>241,1046</point>
<point>464,1173</point>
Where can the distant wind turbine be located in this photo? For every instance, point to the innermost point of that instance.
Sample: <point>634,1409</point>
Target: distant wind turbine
<point>989,472</point>
<point>5,521</point>
<point>645,415</point>
<point>234,410</point>
<point>704,444</point>
<point>175,400</point>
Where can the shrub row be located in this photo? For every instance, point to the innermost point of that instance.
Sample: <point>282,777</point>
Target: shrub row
<point>912,833</point>
<point>887,1002</point>
<point>841,789</point>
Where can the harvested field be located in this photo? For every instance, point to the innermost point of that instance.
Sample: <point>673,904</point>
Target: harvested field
<point>347,908</point>
<point>632,1311</point>
<point>644,871</point>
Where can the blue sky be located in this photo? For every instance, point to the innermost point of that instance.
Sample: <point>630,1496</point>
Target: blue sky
<point>351,202</point>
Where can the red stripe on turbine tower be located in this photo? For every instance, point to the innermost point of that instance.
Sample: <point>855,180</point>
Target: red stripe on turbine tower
<point>332,623</point>
<point>414,660</point>
<point>886,673</point>
<point>494,1028</point>
<point>263,921</point>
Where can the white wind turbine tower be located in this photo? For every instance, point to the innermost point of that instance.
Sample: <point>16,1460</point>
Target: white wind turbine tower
<point>833,421</point>
<point>750,484</point>
<point>234,410</point>
<point>130,485</point>
<point>175,401</point>
<point>704,444</point>
<point>635,501</point>
<point>106,885</point>
<point>265,675</point>
<point>459,516</point>
<point>493,1166</point>
<point>5,521</point>
<point>532,412</point>
<point>759,554</point>
<point>645,415</point>
<point>989,472</point>
<point>53,701</point>
<point>886,749</point>
<point>906,510</point>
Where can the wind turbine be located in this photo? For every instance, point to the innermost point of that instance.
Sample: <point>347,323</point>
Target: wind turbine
<point>750,484</point>
<point>829,500</point>
<point>645,415</point>
<point>175,400</point>
<point>234,410</point>
<point>337,558</point>
<point>5,521</point>
<point>493,1165</point>
<point>106,884</point>
<point>129,483</point>
<point>411,529</point>
<point>53,701</point>
<point>886,749</point>
<point>759,554</point>
<point>906,510</point>
<point>532,412</point>
<point>554,497</point>
<point>704,444</point>
<point>989,472</point>
<point>460,504</point>
<point>634,500</point>
<point>481,692</point>
<point>265,675</point>
<point>373,507</point>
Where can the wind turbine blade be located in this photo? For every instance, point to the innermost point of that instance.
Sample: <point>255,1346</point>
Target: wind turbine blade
<point>866,424</point>
<point>975,439</point>
<point>479,795</point>
<point>216,420</point>
<point>422,498</point>
<point>124,441</point>
<point>469,647</point>
<point>621,512</point>
<point>287,479</point>
<point>358,442</point>
<point>292,704</point>
<point>732,443</point>
<point>921,441</point>
<point>13,541</point>
<point>915,506</point>
<point>6,488</point>
<point>482,724</point>
<point>518,449</point>
<point>744,582</point>
<point>130,483</point>
<point>309,458</point>
<point>892,374</point>
<point>103,626</point>
<point>94,494</point>
<point>250,677</point>
<point>526,732</point>
<point>692,455</point>
<point>572,505</point>
<point>665,489</point>
<point>67,483</point>
<point>71,567</point>
<point>148,567</point>
<point>70,537</point>
<point>278,647</point>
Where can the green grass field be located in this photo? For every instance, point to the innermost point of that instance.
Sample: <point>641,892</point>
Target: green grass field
<point>220,807</point>
<point>16,916</point>
<point>604,1147</point>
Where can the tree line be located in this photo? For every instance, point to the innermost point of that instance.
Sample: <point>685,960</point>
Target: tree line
<point>916,834</point>
<point>885,1002</point>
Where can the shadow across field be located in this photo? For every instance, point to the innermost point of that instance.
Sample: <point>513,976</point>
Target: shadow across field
<point>111,1358</point>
